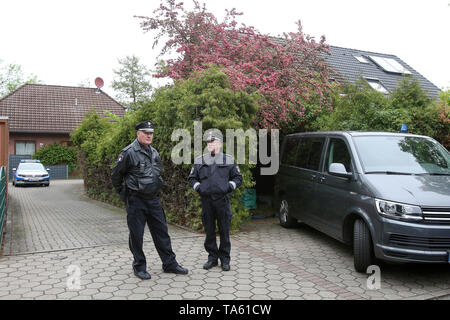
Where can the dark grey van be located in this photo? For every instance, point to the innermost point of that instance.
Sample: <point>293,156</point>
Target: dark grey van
<point>387,194</point>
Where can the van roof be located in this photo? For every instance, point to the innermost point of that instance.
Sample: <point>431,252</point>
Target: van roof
<point>358,133</point>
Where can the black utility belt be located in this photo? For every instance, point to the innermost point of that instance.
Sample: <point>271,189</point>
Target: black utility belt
<point>215,196</point>
<point>142,195</point>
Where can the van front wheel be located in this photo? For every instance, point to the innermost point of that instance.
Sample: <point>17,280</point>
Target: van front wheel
<point>286,220</point>
<point>362,246</point>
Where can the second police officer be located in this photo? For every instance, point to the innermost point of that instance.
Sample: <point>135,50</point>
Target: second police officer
<point>215,176</point>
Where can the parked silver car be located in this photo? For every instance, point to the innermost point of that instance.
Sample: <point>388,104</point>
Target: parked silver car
<point>31,172</point>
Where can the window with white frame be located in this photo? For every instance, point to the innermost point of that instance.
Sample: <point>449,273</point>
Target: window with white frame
<point>376,84</point>
<point>25,147</point>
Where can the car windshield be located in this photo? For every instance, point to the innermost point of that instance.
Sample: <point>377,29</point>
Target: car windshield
<point>402,155</point>
<point>31,167</point>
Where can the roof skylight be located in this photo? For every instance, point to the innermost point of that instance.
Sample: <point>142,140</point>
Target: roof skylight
<point>390,65</point>
<point>361,59</point>
<point>376,85</point>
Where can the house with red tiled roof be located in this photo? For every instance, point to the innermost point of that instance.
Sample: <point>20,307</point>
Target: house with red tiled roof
<point>40,115</point>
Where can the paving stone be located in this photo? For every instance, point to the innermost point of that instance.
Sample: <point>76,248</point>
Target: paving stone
<point>277,295</point>
<point>161,294</point>
<point>259,284</point>
<point>32,294</point>
<point>327,294</point>
<point>196,282</point>
<point>194,288</point>
<point>79,297</point>
<point>43,287</point>
<point>46,297</point>
<point>227,290</point>
<point>173,297</point>
<point>139,290</point>
<point>217,280</point>
<point>307,290</point>
<point>291,286</point>
<point>311,296</point>
<point>260,297</point>
<point>226,296</point>
<point>177,284</point>
<point>191,295</point>
<point>108,289</point>
<point>175,291</point>
<point>259,291</point>
<point>127,286</point>
<point>137,296</point>
<point>122,293</point>
<point>54,291</point>
<point>11,297</point>
<point>4,293</point>
<point>243,294</point>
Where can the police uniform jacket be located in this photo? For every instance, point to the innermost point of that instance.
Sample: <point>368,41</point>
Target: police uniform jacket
<point>140,168</point>
<point>215,177</point>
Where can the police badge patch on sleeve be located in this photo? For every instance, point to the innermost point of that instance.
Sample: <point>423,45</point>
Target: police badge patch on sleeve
<point>120,158</point>
<point>192,171</point>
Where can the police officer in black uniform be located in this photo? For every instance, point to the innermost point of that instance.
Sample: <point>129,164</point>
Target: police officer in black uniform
<point>136,176</point>
<point>215,176</point>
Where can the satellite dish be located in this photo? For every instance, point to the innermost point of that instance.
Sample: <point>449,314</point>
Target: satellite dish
<point>99,82</point>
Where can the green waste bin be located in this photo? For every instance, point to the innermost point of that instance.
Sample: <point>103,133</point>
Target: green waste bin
<point>249,198</point>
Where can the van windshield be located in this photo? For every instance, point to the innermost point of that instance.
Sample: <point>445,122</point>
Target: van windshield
<point>402,155</point>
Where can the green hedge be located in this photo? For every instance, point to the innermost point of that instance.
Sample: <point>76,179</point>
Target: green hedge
<point>57,154</point>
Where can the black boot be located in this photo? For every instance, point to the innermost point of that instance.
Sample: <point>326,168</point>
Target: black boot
<point>209,265</point>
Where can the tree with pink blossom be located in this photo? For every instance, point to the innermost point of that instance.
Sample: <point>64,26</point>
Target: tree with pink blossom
<point>288,73</point>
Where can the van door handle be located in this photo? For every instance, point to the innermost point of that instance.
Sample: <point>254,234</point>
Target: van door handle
<point>322,179</point>
<point>313,177</point>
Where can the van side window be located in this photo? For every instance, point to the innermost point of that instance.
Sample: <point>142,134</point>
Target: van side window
<point>338,153</point>
<point>290,149</point>
<point>309,152</point>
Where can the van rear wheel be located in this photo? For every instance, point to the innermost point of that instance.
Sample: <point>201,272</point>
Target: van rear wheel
<point>286,220</point>
<point>362,246</point>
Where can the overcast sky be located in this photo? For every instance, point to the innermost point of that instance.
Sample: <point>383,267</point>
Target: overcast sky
<point>70,42</point>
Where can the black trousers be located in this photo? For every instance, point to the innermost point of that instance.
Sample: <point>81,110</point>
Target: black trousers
<point>139,212</point>
<point>217,210</point>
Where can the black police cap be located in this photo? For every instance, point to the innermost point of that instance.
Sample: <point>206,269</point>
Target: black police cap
<point>146,126</point>
<point>211,137</point>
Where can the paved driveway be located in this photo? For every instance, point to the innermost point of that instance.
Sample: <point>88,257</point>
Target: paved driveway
<point>57,236</point>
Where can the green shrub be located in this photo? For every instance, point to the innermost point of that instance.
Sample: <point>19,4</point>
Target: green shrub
<point>443,127</point>
<point>361,108</point>
<point>409,94</point>
<point>56,154</point>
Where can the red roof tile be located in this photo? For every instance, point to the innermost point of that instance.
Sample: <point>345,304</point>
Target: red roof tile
<point>55,109</point>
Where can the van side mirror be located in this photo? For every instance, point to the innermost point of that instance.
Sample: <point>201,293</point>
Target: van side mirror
<point>338,169</point>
